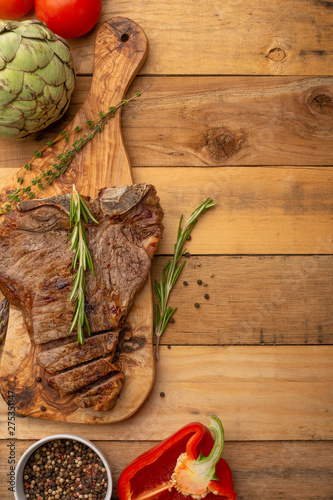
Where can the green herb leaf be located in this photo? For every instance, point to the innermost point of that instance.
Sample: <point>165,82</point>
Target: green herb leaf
<point>172,270</point>
<point>82,258</point>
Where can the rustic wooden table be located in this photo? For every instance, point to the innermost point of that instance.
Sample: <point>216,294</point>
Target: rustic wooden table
<point>242,112</point>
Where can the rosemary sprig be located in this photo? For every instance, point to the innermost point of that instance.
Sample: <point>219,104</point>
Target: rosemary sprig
<point>171,272</point>
<point>82,259</point>
<point>60,167</point>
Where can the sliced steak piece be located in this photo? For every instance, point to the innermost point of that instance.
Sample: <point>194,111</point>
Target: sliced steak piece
<point>35,264</point>
<point>102,396</point>
<point>66,356</point>
<point>72,380</point>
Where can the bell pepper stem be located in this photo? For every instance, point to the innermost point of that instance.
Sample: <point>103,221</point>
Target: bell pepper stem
<point>214,456</point>
<point>193,477</point>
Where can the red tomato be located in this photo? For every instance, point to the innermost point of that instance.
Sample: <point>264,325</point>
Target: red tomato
<point>69,18</point>
<point>13,9</point>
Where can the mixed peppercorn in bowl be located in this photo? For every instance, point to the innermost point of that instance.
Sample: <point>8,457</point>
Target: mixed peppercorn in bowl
<point>63,467</point>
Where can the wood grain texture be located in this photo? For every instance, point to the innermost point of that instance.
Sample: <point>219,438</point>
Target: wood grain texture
<point>251,300</point>
<point>212,121</point>
<point>259,470</point>
<point>259,210</point>
<point>233,121</point>
<point>254,300</point>
<point>230,37</point>
<point>120,50</point>
<point>260,393</point>
<point>268,242</point>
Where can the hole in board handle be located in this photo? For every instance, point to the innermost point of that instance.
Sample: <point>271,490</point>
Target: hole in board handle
<point>124,37</point>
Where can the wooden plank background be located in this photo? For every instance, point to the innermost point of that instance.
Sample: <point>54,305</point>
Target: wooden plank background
<point>241,111</point>
<point>210,37</point>
<point>219,121</point>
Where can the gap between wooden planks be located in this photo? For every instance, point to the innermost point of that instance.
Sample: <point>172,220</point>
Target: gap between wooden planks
<point>259,392</point>
<point>259,210</point>
<point>214,121</point>
<point>294,469</point>
<point>214,37</point>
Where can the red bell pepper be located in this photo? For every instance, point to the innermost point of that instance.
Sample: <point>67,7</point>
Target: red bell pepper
<point>188,463</point>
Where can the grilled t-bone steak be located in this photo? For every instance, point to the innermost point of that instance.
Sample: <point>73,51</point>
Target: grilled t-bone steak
<point>36,276</point>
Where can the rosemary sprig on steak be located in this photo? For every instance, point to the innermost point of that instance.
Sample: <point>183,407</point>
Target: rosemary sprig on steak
<point>82,259</point>
<point>171,272</point>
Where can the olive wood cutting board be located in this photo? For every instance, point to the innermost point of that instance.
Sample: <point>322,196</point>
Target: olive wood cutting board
<point>121,48</point>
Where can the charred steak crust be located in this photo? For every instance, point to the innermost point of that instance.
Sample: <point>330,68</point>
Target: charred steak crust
<point>66,356</point>
<point>35,275</point>
<point>74,379</point>
<point>102,395</point>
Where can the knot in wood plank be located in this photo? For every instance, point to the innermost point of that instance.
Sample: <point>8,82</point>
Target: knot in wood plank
<point>222,143</point>
<point>277,54</point>
<point>321,103</point>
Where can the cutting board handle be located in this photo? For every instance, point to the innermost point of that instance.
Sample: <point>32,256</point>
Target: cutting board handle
<point>121,48</point>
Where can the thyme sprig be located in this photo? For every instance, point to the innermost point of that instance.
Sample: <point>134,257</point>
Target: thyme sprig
<point>171,272</point>
<point>60,167</point>
<point>82,259</point>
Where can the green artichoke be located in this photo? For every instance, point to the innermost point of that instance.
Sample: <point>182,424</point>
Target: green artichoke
<point>36,77</point>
